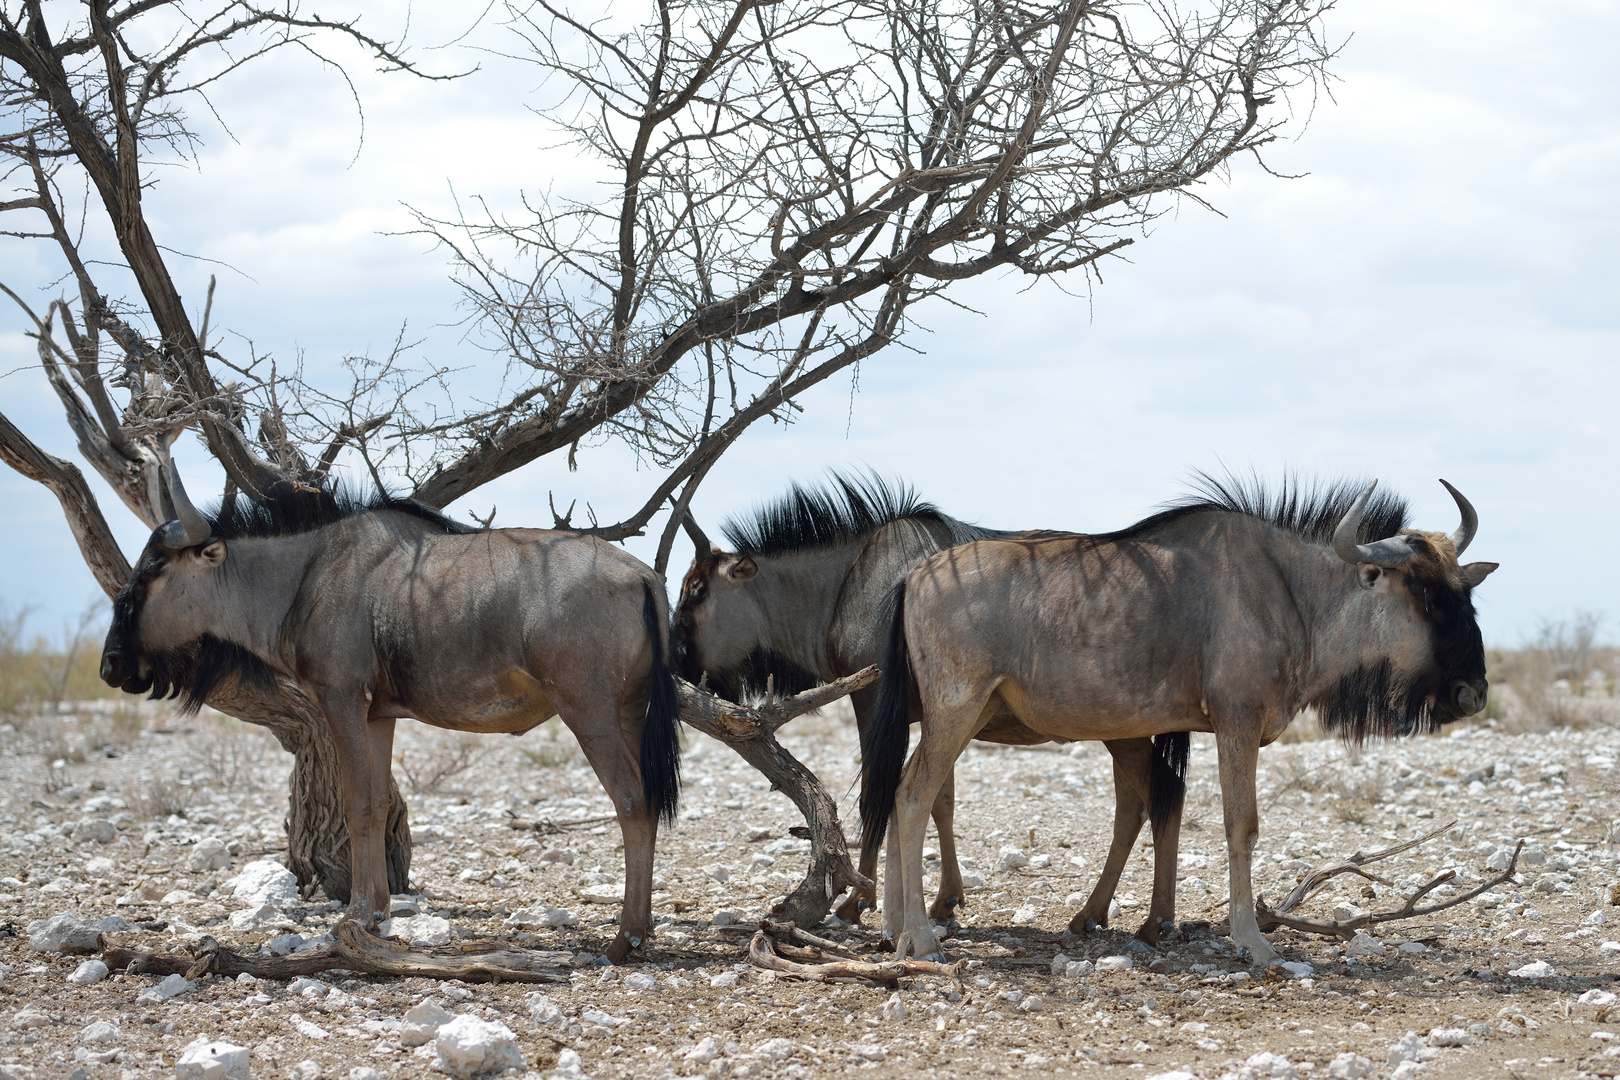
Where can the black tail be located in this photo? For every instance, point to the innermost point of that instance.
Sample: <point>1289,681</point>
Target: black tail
<point>884,743</point>
<point>1167,780</point>
<point>660,737</point>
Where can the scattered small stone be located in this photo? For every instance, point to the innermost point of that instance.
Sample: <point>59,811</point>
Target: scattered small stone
<point>204,1060</point>
<point>308,1029</point>
<point>544,1011</point>
<point>30,1016</point>
<point>725,918</point>
<point>209,854</point>
<point>1344,911</point>
<point>1297,969</point>
<point>1365,945</point>
<point>1411,1047</point>
<point>101,1033</point>
<point>1449,1037</point>
<point>703,1053</point>
<point>88,973</point>
<point>364,1072</point>
<point>257,920</point>
<point>1596,997</point>
<point>1012,859</point>
<point>559,855</point>
<point>1032,1004</point>
<point>1535,969</point>
<point>893,1010</point>
<point>570,1064</point>
<point>641,980</point>
<point>776,1049</point>
<point>306,1070</point>
<point>1267,1064</point>
<point>612,893</point>
<point>1113,963</point>
<point>284,944</point>
<point>171,986</point>
<point>723,981</point>
<point>1350,1066</point>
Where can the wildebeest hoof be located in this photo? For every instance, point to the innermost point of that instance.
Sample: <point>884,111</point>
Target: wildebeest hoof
<point>935,957</point>
<point>955,901</point>
<point>863,905</point>
<point>1167,926</point>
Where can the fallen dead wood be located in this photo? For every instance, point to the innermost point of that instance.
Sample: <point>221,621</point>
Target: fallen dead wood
<point>353,949</point>
<point>1271,919</point>
<point>750,730</point>
<point>835,965</point>
<point>546,825</point>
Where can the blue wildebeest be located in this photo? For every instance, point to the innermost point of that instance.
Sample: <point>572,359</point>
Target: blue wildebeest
<point>1228,613</point>
<point>804,598</point>
<point>392,610</point>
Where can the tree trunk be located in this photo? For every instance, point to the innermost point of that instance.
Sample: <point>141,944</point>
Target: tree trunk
<point>317,834</point>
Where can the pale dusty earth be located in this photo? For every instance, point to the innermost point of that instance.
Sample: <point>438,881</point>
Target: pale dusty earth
<point>1192,1007</point>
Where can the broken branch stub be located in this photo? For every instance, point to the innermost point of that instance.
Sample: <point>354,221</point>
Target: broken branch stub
<point>353,949</point>
<point>817,965</point>
<point>750,730</point>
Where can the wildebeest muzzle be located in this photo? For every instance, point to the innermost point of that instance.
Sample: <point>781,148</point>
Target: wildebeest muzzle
<point>1467,697</point>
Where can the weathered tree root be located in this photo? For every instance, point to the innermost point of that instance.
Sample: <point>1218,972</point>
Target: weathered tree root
<point>1346,929</point>
<point>354,950</point>
<point>787,950</point>
<point>751,731</point>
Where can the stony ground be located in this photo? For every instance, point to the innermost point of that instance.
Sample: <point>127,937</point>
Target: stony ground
<point>116,814</point>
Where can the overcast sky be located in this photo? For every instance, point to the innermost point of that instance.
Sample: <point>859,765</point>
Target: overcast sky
<point>1436,298</point>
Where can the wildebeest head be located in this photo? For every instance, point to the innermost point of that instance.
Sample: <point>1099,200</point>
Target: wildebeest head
<point>719,622</point>
<point>1433,655</point>
<point>156,641</point>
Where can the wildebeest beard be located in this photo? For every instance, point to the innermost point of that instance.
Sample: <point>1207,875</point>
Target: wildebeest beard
<point>1369,702</point>
<point>750,676</point>
<point>193,672</point>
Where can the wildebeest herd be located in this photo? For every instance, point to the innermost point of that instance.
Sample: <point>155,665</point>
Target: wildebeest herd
<point>1229,612</point>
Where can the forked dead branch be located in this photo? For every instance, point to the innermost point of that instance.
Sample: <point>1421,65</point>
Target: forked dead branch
<point>1272,918</point>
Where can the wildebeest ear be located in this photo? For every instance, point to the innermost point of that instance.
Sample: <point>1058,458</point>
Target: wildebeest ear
<point>1372,578</point>
<point>212,553</point>
<point>743,569</point>
<point>1476,572</point>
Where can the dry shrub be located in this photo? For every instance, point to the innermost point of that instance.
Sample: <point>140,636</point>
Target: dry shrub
<point>227,753</point>
<point>1306,727</point>
<point>44,671</point>
<point>156,798</point>
<point>428,769</point>
<point>1357,792</point>
<point>1562,679</point>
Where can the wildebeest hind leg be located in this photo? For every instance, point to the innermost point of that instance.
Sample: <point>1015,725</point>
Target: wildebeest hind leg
<point>951,894</point>
<point>1238,745</point>
<point>1162,911</point>
<point>613,758</point>
<point>1132,760</point>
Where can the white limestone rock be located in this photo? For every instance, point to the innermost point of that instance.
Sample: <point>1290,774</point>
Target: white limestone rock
<point>1535,969</point>
<point>419,930</point>
<point>260,919</point>
<point>101,1033</point>
<point>88,973</point>
<point>468,1046</point>
<point>204,1060</point>
<point>171,986</point>
<point>893,1010</point>
<point>1350,1066</point>
<point>209,853</point>
<point>422,1022</point>
<point>264,882</point>
<point>70,933</point>
<point>1365,945</point>
<point>1113,963</point>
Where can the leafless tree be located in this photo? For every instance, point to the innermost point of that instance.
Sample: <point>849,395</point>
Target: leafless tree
<point>783,186</point>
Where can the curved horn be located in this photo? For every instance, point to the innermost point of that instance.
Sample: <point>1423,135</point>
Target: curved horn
<point>1470,521</point>
<point>1392,551</point>
<point>189,527</point>
<point>699,540</point>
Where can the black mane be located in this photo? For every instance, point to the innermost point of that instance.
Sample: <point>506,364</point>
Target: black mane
<point>288,510</point>
<point>847,508</point>
<point>1309,510</point>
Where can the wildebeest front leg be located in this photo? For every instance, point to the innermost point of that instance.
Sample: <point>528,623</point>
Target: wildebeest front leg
<point>1133,760</point>
<point>1238,743</point>
<point>380,750</point>
<point>365,814</point>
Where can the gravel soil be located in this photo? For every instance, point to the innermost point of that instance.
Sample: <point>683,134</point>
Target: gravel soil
<point>164,784</point>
